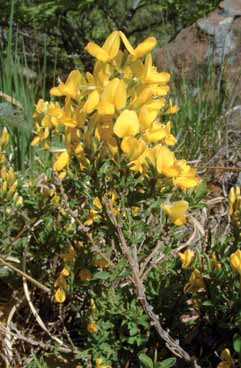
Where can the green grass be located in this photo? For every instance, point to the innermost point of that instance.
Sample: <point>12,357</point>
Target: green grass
<point>198,126</point>
<point>20,89</point>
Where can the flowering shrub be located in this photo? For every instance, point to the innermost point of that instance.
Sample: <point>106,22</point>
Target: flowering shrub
<point>108,230</point>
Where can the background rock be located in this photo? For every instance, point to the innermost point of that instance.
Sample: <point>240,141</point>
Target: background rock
<point>214,39</point>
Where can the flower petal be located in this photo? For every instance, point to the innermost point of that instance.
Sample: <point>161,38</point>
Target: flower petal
<point>62,161</point>
<point>98,52</point>
<point>127,124</point>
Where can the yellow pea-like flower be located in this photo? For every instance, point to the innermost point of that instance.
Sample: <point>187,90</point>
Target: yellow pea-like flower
<point>108,51</point>
<point>92,327</point>
<point>112,44</point>
<point>19,201</point>
<point>62,161</point>
<point>127,124</point>
<point>186,258</point>
<point>235,261</point>
<point>4,187</point>
<point>177,212</point>
<point>4,139</point>
<point>92,102</point>
<point>133,147</point>
<point>165,162</point>
<point>195,283</point>
<point>99,364</point>
<point>70,88</point>
<point>10,176</point>
<point>3,173</point>
<point>97,203</point>
<point>64,272</point>
<point>12,188</point>
<point>60,295</point>
<point>143,48</point>
<point>227,360</point>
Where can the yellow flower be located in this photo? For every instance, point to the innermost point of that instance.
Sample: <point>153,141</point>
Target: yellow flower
<point>4,139</point>
<point>227,360</point>
<point>235,261</point>
<point>92,327</point>
<point>70,88</point>
<point>186,257</point>
<point>148,113</point>
<point>108,51</point>
<point>160,132</point>
<point>150,74</point>
<point>166,161</point>
<point>97,203</point>
<point>217,265</point>
<point>173,109</point>
<point>41,106</point>
<point>177,212</point>
<point>143,48</point>
<point>196,282</point>
<point>64,272</point>
<point>10,176</point>
<point>4,186</point>
<point>12,189</point>
<point>92,102</point>
<point>133,147</point>
<point>234,202</point>
<point>127,124</point>
<point>93,305</point>
<point>62,161</point>
<point>60,295</point>
<point>135,210</point>
<point>3,173</point>
<point>93,216</point>
<point>99,364</point>
<point>19,201</point>
<point>113,97</point>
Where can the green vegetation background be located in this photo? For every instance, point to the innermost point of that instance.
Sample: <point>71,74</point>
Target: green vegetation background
<point>59,29</point>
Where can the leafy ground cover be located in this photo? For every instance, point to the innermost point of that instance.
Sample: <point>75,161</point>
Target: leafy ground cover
<point>120,240</point>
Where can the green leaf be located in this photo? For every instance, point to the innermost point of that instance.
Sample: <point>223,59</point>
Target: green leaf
<point>207,303</point>
<point>201,191</point>
<point>101,275</point>
<point>237,343</point>
<point>145,360</point>
<point>167,363</point>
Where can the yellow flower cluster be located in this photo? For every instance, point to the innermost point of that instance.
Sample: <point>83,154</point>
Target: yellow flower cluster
<point>61,283</point>
<point>8,181</point>
<point>95,212</point>
<point>122,105</point>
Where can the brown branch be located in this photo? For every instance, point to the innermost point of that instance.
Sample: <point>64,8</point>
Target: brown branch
<point>171,344</point>
<point>24,274</point>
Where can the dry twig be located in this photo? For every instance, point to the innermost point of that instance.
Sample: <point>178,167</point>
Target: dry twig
<point>172,345</point>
